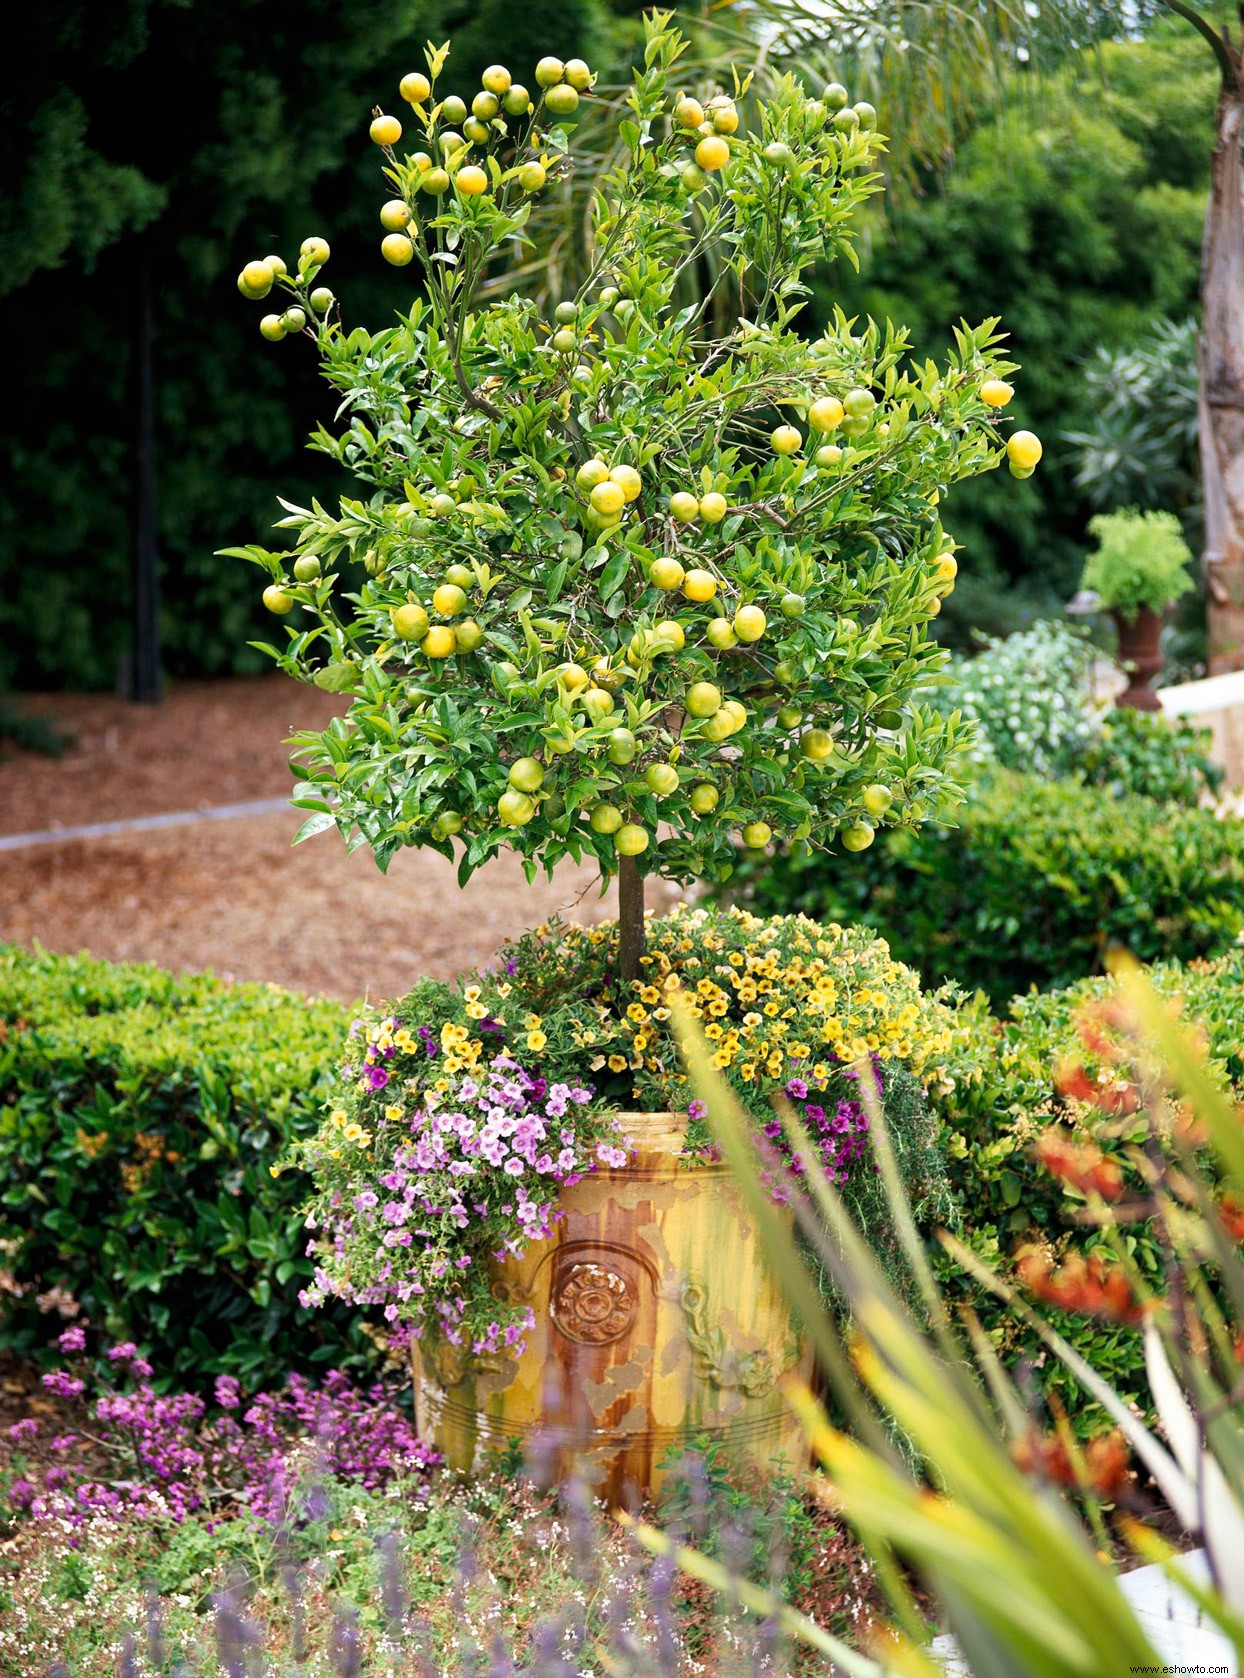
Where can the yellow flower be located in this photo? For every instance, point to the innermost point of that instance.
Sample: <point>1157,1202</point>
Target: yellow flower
<point>748,1070</point>
<point>476,1010</point>
<point>721,1059</point>
<point>617,1063</point>
<point>339,1118</point>
<point>641,1042</point>
<point>637,1012</point>
<point>393,1113</point>
<point>274,1171</point>
<point>471,994</point>
<point>649,993</point>
<point>713,1031</point>
<point>536,1040</point>
<point>353,1132</point>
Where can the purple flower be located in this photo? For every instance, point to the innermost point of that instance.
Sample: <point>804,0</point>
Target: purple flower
<point>21,1431</point>
<point>72,1340</point>
<point>696,1110</point>
<point>123,1353</point>
<point>62,1385</point>
<point>797,1089</point>
<point>228,1392</point>
<point>21,1494</point>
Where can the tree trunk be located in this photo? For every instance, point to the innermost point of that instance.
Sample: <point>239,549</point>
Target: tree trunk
<point>631,939</point>
<point>146,683</point>
<point>1221,378</point>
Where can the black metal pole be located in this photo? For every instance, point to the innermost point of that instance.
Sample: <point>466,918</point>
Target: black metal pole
<point>146,677</point>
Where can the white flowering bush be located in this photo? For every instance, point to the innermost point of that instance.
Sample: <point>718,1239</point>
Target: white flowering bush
<point>1029,697</point>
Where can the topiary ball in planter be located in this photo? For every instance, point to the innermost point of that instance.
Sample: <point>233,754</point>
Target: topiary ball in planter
<point>516,1170</point>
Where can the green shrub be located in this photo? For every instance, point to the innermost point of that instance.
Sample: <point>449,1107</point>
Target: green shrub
<point>1037,883</point>
<point>140,1112</point>
<point>1004,1094</point>
<point>1140,562</point>
<point>1144,752</point>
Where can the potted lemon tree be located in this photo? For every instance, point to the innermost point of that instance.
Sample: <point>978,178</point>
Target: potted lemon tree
<point>621,584</point>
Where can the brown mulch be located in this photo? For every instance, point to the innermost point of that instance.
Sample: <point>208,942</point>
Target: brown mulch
<point>232,895</point>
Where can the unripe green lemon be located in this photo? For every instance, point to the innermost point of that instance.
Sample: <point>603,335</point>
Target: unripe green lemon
<point>816,745</point>
<point>877,799</point>
<point>622,746</point>
<point>866,115</point>
<point>1021,471</point>
<point>598,703</point>
<point>792,605</point>
<point>414,88</point>
<point>605,818</point>
<point>688,113</point>
<point>720,634</point>
<point>749,623</point>
<point>829,454</point>
<point>835,96</point>
<point>442,505</point>
<point>713,507</point>
<point>255,280</point>
<point>859,403</point>
<point>826,413</point>
<point>684,507</point>
<point>662,779</point>
<point>789,716</point>
<point>470,635</point>
<point>1024,449</point>
<point>293,320</point>
<point>527,774</point>
<point>846,121</point>
<point>515,809</point>
<point>756,835</point>
<point>496,79</point>
<point>453,110</point>
<point>322,300</point>
<point>703,699</point>
<point>578,74</point>
<point>272,327</point>
<point>565,313</point>
<point>562,100</point>
<point>451,143</point>
<point>712,153</point>
<point>669,636</point>
<point>704,798</point>
<point>733,713</point>
<point>434,181</point>
<point>472,180</point>
<point>485,106</point>
<point>631,839</point>
<point>549,71</point>
<point>410,622</point>
<point>447,824</point>
<point>565,339</point>
<point>786,671</point>
<point>693,177</point>
<point>395,215</point>
<point>306,568</point>
<point>532,176</point>
<point>855,425</point>
<point>460,574</point>
<point>786,440</point>
<point>723,114</point>
<point>386,131</point>
<point>858,837</point>
<point>276,264</point>
<point>314,252</point>
<point>517,101</point>
<point>277,600</point>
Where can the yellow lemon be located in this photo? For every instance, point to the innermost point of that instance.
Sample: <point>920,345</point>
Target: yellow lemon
<point>996,393</point>
<point>1024,449</point>
<point>386,131</point>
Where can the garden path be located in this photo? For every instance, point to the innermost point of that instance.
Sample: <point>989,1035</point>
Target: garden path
<point>231,894</point>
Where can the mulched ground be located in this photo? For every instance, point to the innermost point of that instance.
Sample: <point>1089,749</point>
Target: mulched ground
<point>232,895</point>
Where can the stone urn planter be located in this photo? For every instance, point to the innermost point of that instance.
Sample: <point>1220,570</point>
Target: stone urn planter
<point>657,1322</point>
<point>1140,654</point>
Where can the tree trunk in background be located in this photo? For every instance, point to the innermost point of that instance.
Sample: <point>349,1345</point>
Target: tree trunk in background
<point>631,940</point>
<point>1221,378</point>
<point>146,682</point>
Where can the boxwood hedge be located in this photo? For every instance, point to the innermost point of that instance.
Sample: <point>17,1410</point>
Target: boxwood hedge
<point>1033,887</point>
<point>140,1112</point>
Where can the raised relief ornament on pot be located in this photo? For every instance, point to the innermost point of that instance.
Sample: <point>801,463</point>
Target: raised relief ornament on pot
<point>592,1304</point>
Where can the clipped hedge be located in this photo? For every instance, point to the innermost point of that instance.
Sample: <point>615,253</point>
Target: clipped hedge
<point>1004,1095</point>
<point>1036,883</point>
<point>140,1112</point>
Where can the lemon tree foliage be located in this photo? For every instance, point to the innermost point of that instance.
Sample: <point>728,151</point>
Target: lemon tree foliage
<point>622,584</point>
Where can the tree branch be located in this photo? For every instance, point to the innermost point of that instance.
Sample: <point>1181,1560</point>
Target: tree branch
<point>1218,44</point>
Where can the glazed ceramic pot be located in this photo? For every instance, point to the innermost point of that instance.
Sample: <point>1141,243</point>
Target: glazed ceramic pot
<point>1140,654</point>
<point>657,1322</point>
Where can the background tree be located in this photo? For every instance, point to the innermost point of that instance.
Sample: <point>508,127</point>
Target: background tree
<point>630,584</point>
<point>142,138</point>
